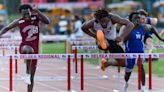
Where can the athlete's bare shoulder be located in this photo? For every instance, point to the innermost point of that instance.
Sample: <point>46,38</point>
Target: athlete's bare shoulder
<point>114,17</point>
<point>90,21</point>
<point>117,19</point>
<point>88,24</point>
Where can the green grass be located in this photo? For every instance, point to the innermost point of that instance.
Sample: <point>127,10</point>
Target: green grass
<point>53,48</point>
<point>157,67</point>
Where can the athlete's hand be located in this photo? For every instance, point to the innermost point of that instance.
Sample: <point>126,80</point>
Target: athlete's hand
<point>120,43</point>
<point>118,40</point>
<point>34,9</point>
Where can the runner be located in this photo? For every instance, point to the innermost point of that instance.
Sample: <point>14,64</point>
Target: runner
<point>29,30</point>
<point>103,29</point>
<point>134,44</point>
<point>148,38</point>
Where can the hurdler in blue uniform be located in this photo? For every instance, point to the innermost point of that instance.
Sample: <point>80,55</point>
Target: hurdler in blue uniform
<point>134,44</point>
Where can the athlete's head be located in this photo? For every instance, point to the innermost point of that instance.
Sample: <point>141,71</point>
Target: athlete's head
<point>102,16</point>
<point>135,18</point>
<point>25,10</point>
<point>143,14</point>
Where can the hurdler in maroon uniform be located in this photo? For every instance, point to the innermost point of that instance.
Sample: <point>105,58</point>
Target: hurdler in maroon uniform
<point>29,30</point>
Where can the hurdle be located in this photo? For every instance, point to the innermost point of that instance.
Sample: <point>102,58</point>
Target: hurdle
<point>10,44</point>
<point>41,56</point>
<point>77,41</point>
<point>150,72</point>
<point>74,49</point>
<point>93,47</point>
<point>82,56</point>
<point>129,55</point>
<point>139,72</point>
<point>158,46</point>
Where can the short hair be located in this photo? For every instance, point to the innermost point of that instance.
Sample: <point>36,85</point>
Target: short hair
<point>101,13</point>
<point>133,13</point>
<point>24,6</point>
<point>142,12</point>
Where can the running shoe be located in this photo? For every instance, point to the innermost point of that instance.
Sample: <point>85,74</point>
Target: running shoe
<point>144,89</point>
<point>101,39</point>
<point>126,87</point>
<point>27,79</point>
<point>103,64</point>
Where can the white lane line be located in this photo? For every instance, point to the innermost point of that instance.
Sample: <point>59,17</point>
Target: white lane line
<point>3,87</point>
<point>45,85</point>
<point>99,87</point>
<point>48,86</point>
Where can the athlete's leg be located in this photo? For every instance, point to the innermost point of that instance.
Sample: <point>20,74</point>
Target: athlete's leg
<point>143,75</point>
<point>110,45</point>
<point>30,71</point>
<point>120,62</point>
<point>111,63</point>
<point>106,63</point>
<point>128,70</point>
<point>102,45</point>
<point>27,50</point>
<point>33,69</point>
<point>101,40</point>
<point>127,76</point>
<point>143,88</point>
<point>149,44</point>
<point>114,48</point>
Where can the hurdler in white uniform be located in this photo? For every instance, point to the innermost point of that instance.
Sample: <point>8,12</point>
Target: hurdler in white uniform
<point>109,32</point>
<point>110,36</point>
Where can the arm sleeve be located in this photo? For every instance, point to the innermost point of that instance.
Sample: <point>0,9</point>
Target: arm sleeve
<point>148,20</point>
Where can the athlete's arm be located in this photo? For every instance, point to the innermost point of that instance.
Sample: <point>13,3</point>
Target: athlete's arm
<point>87,28</point>
<point>121,30</point>
<point>152,21</point>
<point>41,16</point>
<point>156,34</point>
<point>153,30</point>
<point>8,27</point>
<point>128,26</point>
